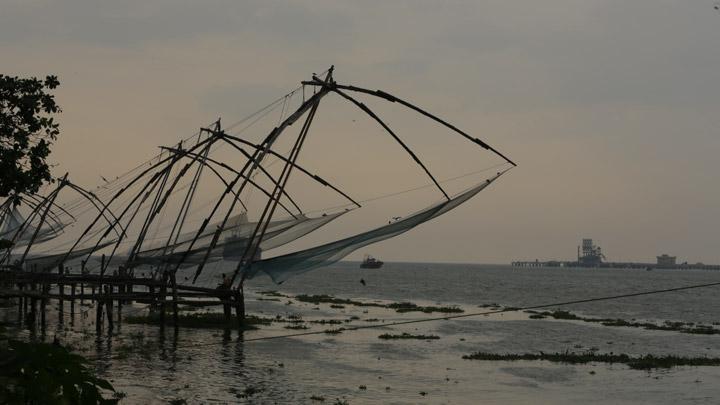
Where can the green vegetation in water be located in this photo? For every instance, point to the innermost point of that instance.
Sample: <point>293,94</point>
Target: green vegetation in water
<point>683,327</point>
<point>327,299</point>
<point>397,306</point>
<point>334,331</point>
<point>296,326</point>
<point>327,321</point>
<point>273,293</point>
<point>199,320</point>
<point>317,398</point>
<point>410,307</point>
<point>646,362</point>
<point>388,336</point>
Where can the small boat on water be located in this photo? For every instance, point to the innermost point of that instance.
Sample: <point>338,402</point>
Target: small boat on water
<point>370,262</point>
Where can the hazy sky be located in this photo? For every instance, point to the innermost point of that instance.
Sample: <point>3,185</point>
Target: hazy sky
<point>611,108</point>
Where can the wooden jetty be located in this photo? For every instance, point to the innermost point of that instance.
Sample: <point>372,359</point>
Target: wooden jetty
<point>33,290</point>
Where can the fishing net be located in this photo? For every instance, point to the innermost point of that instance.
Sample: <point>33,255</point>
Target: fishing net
<point>14,220</point>
<point>283,267</point>
<point>232,240</point>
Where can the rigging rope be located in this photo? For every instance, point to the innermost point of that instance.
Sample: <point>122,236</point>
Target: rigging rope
<point>428,185</point>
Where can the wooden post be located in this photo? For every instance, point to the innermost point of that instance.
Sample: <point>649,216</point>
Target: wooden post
<point>43,305</point>
<point>109,307</point>
<point>163,293</point>
<point>20,303</point>
<point>129,286</point>
<point>240,308</point>
<point>82,285</point>
<point>120,290</point>
<point>24,301</point>
<point>61,290</point>
<point>98,313</point>
<point>119,308</point>
<point>33,306</point>
<point>72,301</point>
<point>175,301</point>
<point>227,309</point>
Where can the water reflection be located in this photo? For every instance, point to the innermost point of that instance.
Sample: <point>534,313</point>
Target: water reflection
<point>205,365</point>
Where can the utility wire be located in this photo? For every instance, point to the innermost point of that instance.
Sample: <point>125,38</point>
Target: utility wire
<point>472,314</point>
<point>444,318</point>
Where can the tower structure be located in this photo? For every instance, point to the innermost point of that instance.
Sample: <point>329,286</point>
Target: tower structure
<point>589,255</point>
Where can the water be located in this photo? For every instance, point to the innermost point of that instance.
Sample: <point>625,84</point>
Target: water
<point>211,366</point>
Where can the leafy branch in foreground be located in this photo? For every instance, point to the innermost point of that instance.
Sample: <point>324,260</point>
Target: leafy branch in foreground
<point>27,129</point>
<point>43,373</point>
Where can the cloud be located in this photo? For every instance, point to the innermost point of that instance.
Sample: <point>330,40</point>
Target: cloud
<point>610,107</point>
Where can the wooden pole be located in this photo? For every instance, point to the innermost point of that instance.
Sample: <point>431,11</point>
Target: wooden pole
<point>82,285</point>
<point>119,307</point>
<point>163,294</point>
<point>20,304</point>
<point>240,309</point>
<point>98,314</point>
<point>61,291</point>
<point>109,307</point>
<point>43,305</point>
<point>72,301</point>
<point>24,301</point>
<point>175,301</point>
<point>33,305</point>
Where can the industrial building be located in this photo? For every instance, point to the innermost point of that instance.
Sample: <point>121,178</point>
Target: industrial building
<point>589,255</point>
<point>665,261</point>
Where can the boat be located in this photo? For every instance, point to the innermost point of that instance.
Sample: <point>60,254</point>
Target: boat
<point>370,262</point>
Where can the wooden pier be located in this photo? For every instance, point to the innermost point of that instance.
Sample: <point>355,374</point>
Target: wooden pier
<point>110,293</point>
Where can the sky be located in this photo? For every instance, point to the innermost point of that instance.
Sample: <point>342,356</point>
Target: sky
<point>610,108</point>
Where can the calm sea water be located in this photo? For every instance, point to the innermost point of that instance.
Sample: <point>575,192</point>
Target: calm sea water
<point>209,366</point>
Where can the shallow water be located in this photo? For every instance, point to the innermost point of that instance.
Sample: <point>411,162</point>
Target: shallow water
<point>210,366</point>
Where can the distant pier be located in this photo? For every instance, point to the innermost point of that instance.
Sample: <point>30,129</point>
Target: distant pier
<point>591,256</point>
<point>615,265</point>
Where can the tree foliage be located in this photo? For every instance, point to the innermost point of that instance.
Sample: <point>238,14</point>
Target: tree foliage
<point>27,129</point>
<point>43,373</point>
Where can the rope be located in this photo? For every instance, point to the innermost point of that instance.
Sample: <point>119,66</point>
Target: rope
<point>108,186</point>
<point>428,185</point>
<point>446,318</point>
